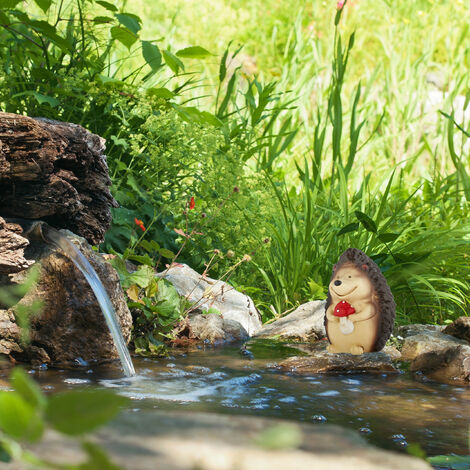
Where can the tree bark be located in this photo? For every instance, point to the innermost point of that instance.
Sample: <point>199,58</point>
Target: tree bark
<point>56,172</point>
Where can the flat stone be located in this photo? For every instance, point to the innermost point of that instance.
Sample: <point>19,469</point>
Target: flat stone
<point>321,361</point>
<point>186,441</point>
<point>306,323</point>
<point>428,341</point>
<point>460,328</point>
<point>450,365</point>
<point>418,328</point>
<point>208,293</point>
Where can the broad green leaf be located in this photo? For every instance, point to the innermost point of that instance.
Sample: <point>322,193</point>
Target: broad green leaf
<point>123,35</point>
<point>388,237</point>
<point>193,52</point>
<point>40,98</point>
<point>27,388</point>
<point>44,5</point>
<point>98,459</point>
<point>78,412</point>
<point>161,93</point>
<point>102,19</point>
<point>18,418</point>
<point>141,277</point>
<point>348,228</point>
<point>131,22</point>
<point>172,61</point>
<point>9,3</point>
<point>168,300</point>
<point>152,55</point>
<point>166,253</point>
<point>366,221</point>
<point>107,5</point>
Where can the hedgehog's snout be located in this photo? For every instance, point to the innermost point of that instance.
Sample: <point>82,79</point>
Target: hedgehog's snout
<point>338,282</point>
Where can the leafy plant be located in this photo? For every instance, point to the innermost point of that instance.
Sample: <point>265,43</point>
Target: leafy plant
<point>26,413</point>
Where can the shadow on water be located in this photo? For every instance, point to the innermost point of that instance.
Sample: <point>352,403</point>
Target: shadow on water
<point>389,411</point>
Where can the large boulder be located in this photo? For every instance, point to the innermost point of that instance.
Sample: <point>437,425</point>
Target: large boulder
<point>71,325</point>
<point>459,328</point>
<point>439,356</point>
<point>206,293</point>
<point>56,172</point>
<point>188,441</point>
<point>305,323</point>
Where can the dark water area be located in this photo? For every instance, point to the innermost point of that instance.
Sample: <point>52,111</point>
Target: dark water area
<point>390,411</point>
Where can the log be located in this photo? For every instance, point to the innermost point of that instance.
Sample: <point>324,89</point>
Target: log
<point>56,172</point>
<point>12,246</point>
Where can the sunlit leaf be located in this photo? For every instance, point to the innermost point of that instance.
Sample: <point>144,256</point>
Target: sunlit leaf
<point>107,5</point>
<point>18,418</point>
<point>152,55</point>
<point>44,5</point>
<point>27,388</point>
<point>78,412</point>
<point>172,61</point>
<point>123,35</point>
<point>131,22</point>
<point>193,52</point>
<point>366,221</point>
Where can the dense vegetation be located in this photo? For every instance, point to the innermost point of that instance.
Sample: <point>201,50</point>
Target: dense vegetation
<point>273,158</point>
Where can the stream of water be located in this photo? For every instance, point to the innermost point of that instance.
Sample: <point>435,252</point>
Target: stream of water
<point>61,241</point>
<point>391,411</point>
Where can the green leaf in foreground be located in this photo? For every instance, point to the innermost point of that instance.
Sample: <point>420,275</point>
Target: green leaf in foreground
<point>97,459</point>
<point>451,461</point>
<point>18,418</point>
<point>44,5</point>
<point>83,411</point>
<point>152,55</point>
<point>281,436</point>
<point>193,52</point>
<point>27,388</point>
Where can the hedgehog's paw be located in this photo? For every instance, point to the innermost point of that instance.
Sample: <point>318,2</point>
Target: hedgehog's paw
<point>356,350</point>
<point>331,349</point>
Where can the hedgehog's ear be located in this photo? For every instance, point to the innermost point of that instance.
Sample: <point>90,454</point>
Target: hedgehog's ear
<point>335,267</point>
<point>365,267</point>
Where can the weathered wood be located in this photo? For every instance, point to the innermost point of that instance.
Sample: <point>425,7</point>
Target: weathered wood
<point>12,246</point>
<point>56,172</point>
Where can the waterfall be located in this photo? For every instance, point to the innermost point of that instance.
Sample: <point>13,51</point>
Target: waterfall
<point>53,236</point>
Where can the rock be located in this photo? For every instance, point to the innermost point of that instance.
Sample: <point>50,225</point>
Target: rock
<point>71,324</point>
<point>213,328</point>
<point>393,352</point>
<point>306,323</point>
<point>186,441</point>
<point>460,328</point>
<point>12,245</point>
<point>417,328</point>
<point>322,361</point>
<point>208,293</point>
<point>437,355</point>
<point>450,365</point>
<point>56,172</point>
<point>427,341</point>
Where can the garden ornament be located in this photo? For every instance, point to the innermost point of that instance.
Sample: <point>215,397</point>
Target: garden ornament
<point>360,309</point>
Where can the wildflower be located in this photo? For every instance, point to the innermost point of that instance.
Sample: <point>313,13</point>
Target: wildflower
<point>236,189</point>
<point>139,224</point>
<point>217,251</point>
<point>266,240</point>
<point>203,215</point>
<point>230,254</point>
<point>247,258</point>
<point>340,4</point>
<point>192,203</point>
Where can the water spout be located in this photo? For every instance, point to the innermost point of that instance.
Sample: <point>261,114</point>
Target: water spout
<point>38,230</point>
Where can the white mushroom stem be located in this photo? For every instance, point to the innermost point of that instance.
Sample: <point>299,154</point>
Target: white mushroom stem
<point>346,326</point>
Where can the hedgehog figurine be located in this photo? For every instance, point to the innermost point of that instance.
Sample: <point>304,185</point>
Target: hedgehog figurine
<point>360,309</point>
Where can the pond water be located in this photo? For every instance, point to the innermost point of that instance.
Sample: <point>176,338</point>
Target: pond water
<point>391,411</point>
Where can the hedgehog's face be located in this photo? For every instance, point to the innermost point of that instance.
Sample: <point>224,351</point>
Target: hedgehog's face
<point>351,284</point>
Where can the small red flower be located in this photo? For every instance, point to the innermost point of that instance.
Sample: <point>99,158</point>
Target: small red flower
<point>192,203</point>
<point>139,224</point>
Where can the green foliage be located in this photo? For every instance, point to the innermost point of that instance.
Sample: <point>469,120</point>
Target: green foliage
<point>281,436</point>
<point>26,412</point>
